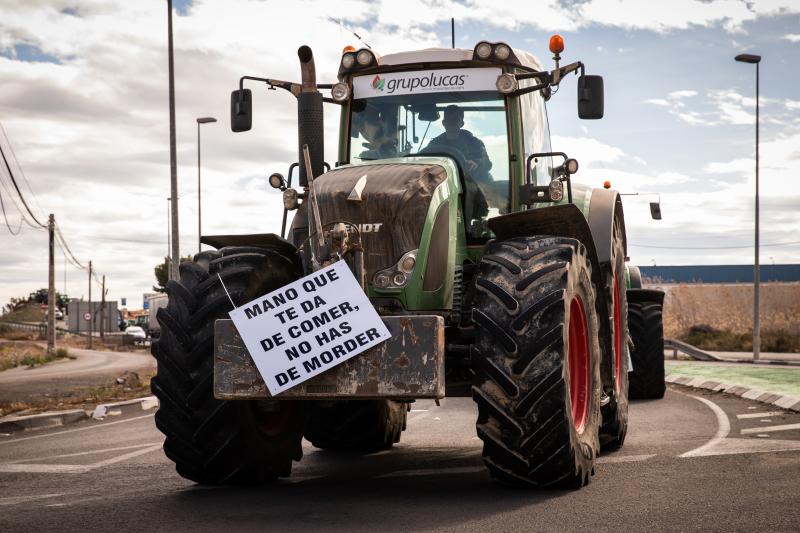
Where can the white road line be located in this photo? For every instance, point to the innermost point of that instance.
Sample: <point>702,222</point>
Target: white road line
<point>770,429</point>
<point>73,469</point>
<point>90,452</point>
<point>13,500</point>
<point>723,428</point>
<point>98,426</point>
<point>624,458</point>
<point>759,415</point>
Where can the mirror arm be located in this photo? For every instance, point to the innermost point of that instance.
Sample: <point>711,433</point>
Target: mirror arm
<point>293,88</point>
<point>558,74</point>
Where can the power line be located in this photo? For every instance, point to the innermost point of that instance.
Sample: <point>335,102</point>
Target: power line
<point>71,255</point>
<point>11,231</point>
<point>14,201</point>
<point>19,167</point>
<point>790,243</point>
<point>19,192</point>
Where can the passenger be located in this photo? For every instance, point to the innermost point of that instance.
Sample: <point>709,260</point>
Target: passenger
<point>474,151</point>
<point>373,129</point>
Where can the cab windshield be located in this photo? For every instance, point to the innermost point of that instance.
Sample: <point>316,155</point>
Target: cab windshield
<point>467,126</point>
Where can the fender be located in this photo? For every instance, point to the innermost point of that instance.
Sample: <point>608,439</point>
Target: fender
<point>259,240</point>
<point>604,207</point>
<point>635,276</point>
<point>564,220</point>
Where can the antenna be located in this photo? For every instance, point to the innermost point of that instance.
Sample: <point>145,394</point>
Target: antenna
<point>345,28</point>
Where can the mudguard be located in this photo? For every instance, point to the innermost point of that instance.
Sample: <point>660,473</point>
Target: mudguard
<point>604,207</point>
<point>261,240</point>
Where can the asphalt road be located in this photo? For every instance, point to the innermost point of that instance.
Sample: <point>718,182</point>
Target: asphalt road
<point>90,367</point>
<point>693,461</point>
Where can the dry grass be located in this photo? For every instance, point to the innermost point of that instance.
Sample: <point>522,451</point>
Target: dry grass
<point>26,353</point>
<point>730,308</point>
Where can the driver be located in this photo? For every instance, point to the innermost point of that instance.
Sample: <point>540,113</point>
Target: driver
<point>477,160</point>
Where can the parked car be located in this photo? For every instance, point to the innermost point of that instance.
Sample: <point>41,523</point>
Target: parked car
<point>136,332</point>
<point>59,314</point>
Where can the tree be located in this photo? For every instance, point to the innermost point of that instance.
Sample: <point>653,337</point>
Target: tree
<point>162,274</point>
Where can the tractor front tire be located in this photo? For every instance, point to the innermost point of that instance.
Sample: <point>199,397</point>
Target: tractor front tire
<point>647,332</point>
<point>213,441</point>
<point>537,356</point>
<point>356,425</point>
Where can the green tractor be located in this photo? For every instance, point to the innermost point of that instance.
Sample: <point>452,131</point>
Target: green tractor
<point>498,276</point>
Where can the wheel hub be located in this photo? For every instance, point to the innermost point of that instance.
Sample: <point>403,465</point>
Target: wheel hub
<point>578,363</point>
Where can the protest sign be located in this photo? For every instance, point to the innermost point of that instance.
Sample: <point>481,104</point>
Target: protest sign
<point>308,326</point>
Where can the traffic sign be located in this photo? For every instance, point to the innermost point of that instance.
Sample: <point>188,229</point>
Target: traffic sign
<point>146,305</point>
<point>87,316</point>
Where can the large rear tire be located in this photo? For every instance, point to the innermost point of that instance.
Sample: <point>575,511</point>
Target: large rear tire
<point>538,360</point>
<point>647,332</point>
<point>213,441</point>
<point>615,412</point>
<point>356,425</point>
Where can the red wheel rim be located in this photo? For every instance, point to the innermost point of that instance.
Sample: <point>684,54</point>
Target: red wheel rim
<point>578,363</point>
<point>617,337</point>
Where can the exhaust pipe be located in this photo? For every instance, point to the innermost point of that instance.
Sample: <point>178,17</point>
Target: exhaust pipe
<point>310,129</point>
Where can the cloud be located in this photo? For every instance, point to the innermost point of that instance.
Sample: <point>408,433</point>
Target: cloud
<point>793,37</point>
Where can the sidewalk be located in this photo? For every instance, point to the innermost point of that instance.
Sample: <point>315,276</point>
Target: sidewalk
<point>774,384</point>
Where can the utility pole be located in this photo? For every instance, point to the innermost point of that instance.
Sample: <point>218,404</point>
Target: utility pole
<point>103,309</point>
<point>173,163</point>
<point>91,314</point>
<point>754,59</point>
<point>169,244</point>
<point>51,286</point>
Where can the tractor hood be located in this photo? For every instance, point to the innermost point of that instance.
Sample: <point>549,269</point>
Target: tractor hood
<point>389,202</point>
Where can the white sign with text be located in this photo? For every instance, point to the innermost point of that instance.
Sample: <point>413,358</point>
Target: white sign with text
<point>425,81</point>
<point>308,326</point>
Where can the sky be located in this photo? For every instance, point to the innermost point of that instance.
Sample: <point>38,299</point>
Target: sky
<point>84,106</point>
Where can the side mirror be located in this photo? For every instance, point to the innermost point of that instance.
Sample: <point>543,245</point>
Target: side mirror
<point>590,97</point>
<point>241,110</point>
<point>655,210</point>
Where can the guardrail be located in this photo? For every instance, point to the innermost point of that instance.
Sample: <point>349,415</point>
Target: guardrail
<point>692,351</point>
<point>27,326</point>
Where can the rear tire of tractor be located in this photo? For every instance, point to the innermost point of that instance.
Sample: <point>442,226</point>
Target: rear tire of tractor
<point>537,357</point>
<point>213,441</point>
<point>364,426</point>
<point>615,412</point>
<point>647,331</point>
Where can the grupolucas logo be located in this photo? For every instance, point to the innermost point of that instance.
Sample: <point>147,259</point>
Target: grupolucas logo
<point>377,83</point>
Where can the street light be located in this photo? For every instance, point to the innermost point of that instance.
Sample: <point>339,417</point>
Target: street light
<point>203,120</point>
<point>754,59</point>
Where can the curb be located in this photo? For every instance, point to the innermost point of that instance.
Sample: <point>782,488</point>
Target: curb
<point>792,403</point>
<point>14,424</point>
<point>115,409</point>
<point>11,424</point>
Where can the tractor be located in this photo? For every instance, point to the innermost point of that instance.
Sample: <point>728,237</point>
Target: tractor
<point>498,276</point>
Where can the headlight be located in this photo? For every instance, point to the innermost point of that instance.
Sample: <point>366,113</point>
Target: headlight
<point>502,52</point>
<point>398,275</point>
<point>483,50</point>
<point>506,83</point>
<point>571,165</point>
<point>348,60</point>
<point>364,57</point>
<point>290,199</point>
<point>556,190</point>
<point>340,92</point>
<point>276,181</point>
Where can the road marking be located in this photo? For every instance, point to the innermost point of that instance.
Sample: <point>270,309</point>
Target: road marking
<point>770,429</point>
<point>419,410</point>
<point>624,458</point>
<point>723,429</point>
<point>758,415</point>
<point>98,426</point>
<point>90,452</point>
<point>72,469</point>
<point>13,500</point>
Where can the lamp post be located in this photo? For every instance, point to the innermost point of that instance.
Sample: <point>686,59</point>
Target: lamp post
<point>173,157</point>
<point>754,59</point>
<point>202,120</point>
